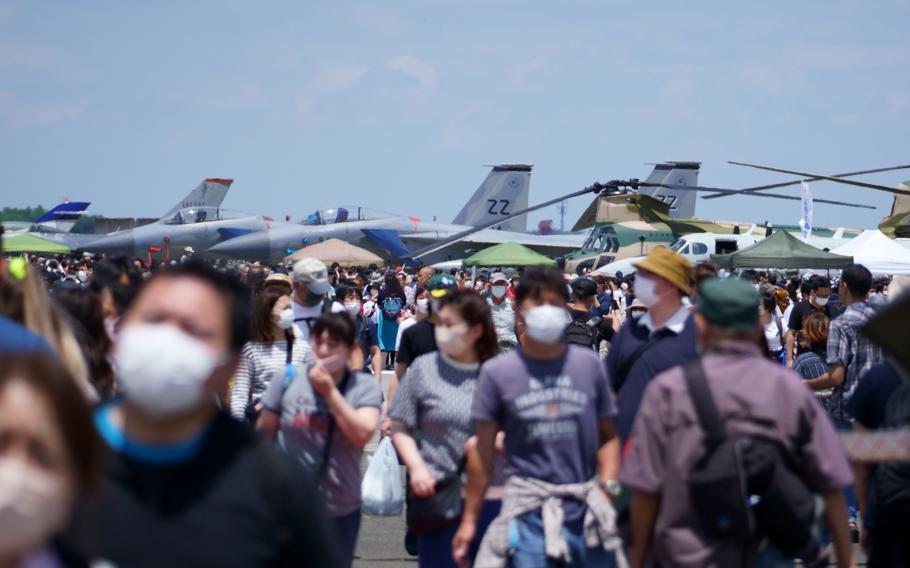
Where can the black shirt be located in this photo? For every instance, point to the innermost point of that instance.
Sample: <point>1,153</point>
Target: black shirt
<point>235,503</point>
<point>417,340</point>
<point>803,309</point>
<point>869,400</point>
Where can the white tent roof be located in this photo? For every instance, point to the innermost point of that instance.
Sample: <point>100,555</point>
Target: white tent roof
<point>877,252</point>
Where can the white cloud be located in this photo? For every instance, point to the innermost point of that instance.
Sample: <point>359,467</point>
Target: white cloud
<point>339,78</point>
<point>420,70</point>
<point>899,102</point>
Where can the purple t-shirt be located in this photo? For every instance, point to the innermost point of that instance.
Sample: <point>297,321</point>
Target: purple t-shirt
<point>549,411</point>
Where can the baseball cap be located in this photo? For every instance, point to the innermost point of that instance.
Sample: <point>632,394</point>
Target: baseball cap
<point>728,303</point>
<point>313,273</point>
<point>499,277</point>
<point>441,284</point>
<point>188,249</point>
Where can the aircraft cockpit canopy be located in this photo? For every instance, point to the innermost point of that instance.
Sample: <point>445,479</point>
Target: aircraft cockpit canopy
<point>190,215</point>
<point>331,215</point>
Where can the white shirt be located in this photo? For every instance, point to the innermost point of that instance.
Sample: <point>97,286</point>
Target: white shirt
<point>503,315</point>
<point>676,323</point>
<point>304,317</point>
<point>772,334</point>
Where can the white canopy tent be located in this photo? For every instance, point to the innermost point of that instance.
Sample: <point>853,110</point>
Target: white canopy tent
<point>877,252</point>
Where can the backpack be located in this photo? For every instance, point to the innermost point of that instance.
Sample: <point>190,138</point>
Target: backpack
<point>582,331</point>
<point>745,487</point>
<point>892,479</point>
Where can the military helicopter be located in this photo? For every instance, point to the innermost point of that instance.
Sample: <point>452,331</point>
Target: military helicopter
<point>629,217</point>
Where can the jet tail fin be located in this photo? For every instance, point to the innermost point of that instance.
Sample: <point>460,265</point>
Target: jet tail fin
<point>504,190</point>
<point>681,202</point>
<point>62,217</point>
<point>210,193</point>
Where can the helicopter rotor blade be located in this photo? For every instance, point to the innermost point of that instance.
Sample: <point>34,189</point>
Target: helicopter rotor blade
<point>443,243</point>
<point>724,191</point>
<point>828,178</point>
<point>798,181</point>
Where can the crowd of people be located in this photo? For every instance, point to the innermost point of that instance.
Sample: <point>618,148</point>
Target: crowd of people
<point>212,414</point>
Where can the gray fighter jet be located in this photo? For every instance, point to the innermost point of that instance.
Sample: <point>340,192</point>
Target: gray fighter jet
<point>504,191</point>
<point>196,221</point>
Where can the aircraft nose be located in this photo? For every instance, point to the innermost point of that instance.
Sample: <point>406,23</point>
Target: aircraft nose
<point>246,247</point>
<point>115,244</point>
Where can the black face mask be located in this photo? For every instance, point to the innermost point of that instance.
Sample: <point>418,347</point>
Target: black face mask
<point>312,300</point>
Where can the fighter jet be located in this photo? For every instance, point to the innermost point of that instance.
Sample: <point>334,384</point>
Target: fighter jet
<point>504,191</point>
<point>60,219</point>
<point>196,221</point>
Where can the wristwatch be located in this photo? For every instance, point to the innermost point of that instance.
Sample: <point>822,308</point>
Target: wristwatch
<point>611,487</point>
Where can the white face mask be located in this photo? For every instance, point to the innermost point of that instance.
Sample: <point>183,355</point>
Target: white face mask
<point>333,363</point>
<point>353,308</point>
<point>644,291</point>
<point>33,506</point>
<point>546,324</point>
<point>162,369</point>
<point>110,327</point>
<point>819,301</point>
<point>423,306</point>
<point>451,341</point>
<point>286,318</point>
<point>82,276</point>
<point>499,291</point>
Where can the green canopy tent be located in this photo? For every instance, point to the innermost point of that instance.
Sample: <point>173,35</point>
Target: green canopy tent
<point>508,254</point>
<point>24,242</point>
<point>781,250</point>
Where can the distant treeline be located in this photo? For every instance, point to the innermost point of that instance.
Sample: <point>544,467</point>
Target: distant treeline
<point>85,224</point>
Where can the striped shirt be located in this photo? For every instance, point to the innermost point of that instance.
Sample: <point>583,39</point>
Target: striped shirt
<point>849,347</point>
<point>259,363</point>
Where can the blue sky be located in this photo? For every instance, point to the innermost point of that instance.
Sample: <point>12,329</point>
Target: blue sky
<point>398,105</point>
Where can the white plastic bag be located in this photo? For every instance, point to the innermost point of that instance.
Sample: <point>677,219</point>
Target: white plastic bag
<point>381,488</point>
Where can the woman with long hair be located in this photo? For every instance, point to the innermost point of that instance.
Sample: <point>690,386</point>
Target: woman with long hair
<point>391,302</point>
<point>272,347</point>
<point>435,397</point>
<point>86,320</point>
<point>23,299</point>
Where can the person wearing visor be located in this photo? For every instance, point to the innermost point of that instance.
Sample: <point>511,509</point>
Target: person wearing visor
<point>554,404</point>
<point>661,338</point>
<point>179,473</point>
<point>311,284</point>
<point>502,311</point>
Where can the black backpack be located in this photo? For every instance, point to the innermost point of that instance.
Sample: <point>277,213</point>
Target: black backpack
<point>892,479</point>
<point>745,487</point>
<point>582,331</point>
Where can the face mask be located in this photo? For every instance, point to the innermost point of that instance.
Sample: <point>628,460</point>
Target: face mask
<point>110,327</point>
<point>644,291</point>
<point>546,324</point>
<point>423,306</point>
<point>312,300</point>
<point>435,305</point>
<point>162,369</point>
<point>333,363</point>
<point>353,308</point>
<point>33,506</point>
<point>819,301</point>
<point>82,276</point>
<point>452,342</point>
<point>499,291</point>
<point>286,318</point>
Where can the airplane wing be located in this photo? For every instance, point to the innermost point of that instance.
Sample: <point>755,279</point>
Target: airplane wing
<point>563,243</point>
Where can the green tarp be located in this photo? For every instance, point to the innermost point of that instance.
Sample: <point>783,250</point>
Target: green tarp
<point>781,250</point>
<point>24,242</point>
<point>508,255</point>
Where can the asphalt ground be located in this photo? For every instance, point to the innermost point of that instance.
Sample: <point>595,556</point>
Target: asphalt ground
<point>381,539</point>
